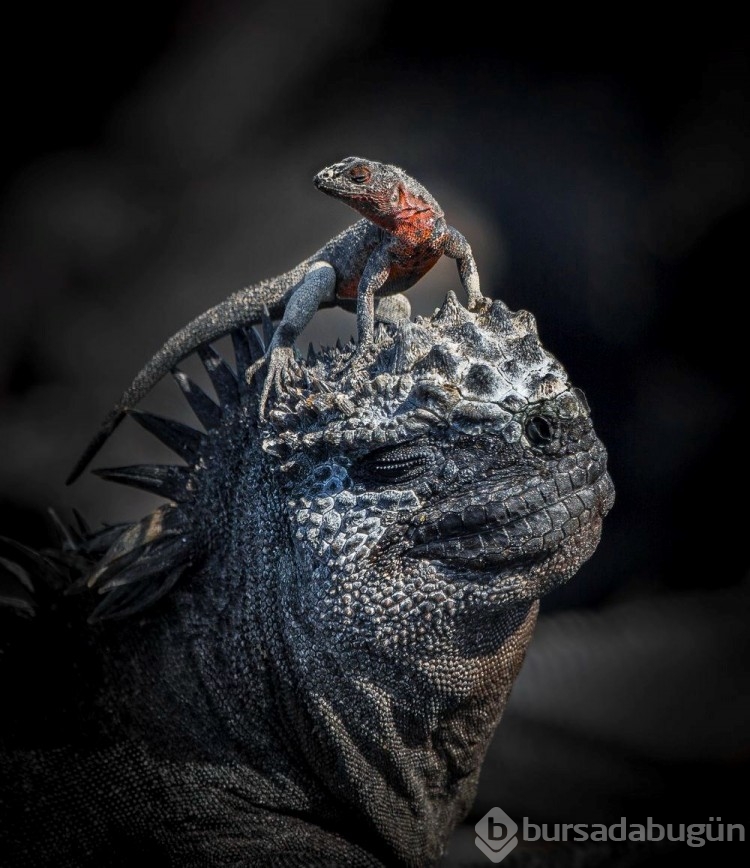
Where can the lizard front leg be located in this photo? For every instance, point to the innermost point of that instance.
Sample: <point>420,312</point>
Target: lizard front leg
<point>374,276</point>
<point>317,286</point>
<point>458,248</point>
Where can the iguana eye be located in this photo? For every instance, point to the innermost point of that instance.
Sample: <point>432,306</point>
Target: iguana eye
<point>359,174</point>
<point>394,463</point>
<point>540,430</point>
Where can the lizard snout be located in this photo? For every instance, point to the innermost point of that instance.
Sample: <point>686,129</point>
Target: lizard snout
<point>323,176</point>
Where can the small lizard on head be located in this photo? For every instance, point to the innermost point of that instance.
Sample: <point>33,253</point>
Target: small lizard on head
<point>402,234</point>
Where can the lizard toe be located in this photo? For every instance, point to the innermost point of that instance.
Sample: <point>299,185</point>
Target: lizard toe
<point>254,369</point>
<point>277,359</point>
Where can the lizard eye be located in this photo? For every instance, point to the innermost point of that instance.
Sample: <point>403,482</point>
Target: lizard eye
<point>540,430</point>
<point>359,174</point>
<point>393,463</point>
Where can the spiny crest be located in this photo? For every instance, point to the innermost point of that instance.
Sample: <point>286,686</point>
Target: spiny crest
<point>470,371</point>
<point>134,565</point>
<point>30,577</point>
<point>139,563</point>
<point>19,564</point>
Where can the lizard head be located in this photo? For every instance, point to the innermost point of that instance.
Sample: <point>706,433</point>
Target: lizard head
<point>382,193</point>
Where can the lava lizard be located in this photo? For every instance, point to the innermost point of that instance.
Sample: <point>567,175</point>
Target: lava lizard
<point>402,234</point>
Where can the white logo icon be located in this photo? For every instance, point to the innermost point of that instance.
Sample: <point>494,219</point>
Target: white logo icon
<point>496,835</point>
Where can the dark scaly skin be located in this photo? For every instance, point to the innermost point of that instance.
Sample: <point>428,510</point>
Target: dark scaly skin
<point>402,235</point>
<point>302,657</point>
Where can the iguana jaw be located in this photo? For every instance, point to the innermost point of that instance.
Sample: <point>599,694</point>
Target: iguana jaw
<point>491,536</point>
<point>504,580</point>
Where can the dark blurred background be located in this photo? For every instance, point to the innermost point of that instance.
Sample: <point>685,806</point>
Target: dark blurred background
<point>158,157</point>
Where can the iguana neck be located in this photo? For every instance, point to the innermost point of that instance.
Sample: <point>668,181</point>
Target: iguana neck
<point>401,747</point>
<point>381,746</point>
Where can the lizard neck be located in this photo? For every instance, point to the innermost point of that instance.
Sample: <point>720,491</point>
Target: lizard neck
<point>419,227</point>
<point>411,215</point>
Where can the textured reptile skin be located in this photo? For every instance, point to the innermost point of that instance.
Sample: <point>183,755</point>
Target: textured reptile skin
<point>301,657</point>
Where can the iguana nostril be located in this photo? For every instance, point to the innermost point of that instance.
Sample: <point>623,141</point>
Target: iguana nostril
<point>539,430</point>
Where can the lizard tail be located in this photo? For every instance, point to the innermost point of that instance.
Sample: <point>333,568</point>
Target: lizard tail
<point>243,308</point>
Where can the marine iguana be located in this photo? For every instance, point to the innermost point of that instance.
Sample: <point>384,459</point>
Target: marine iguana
<point>402,234</point>
<point>300,658</point>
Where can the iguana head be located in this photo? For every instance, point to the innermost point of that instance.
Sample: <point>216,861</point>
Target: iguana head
<point>355,578</point>
<point>459,476</point>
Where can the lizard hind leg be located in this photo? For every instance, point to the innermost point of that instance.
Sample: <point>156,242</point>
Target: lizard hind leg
<point>316,288</point>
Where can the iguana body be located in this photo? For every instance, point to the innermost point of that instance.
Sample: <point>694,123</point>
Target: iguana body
<point>300,659</point>
<point>403,233</point>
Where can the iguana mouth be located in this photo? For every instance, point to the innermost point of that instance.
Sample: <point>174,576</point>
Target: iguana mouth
<point>529,525</point>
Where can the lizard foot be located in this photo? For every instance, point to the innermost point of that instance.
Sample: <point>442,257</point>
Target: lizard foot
<point>277,359</point>
<point>477,303</point>
<point>357,361</point>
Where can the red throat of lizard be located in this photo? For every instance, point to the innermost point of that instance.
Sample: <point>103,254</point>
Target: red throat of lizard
<point>410,217</point>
